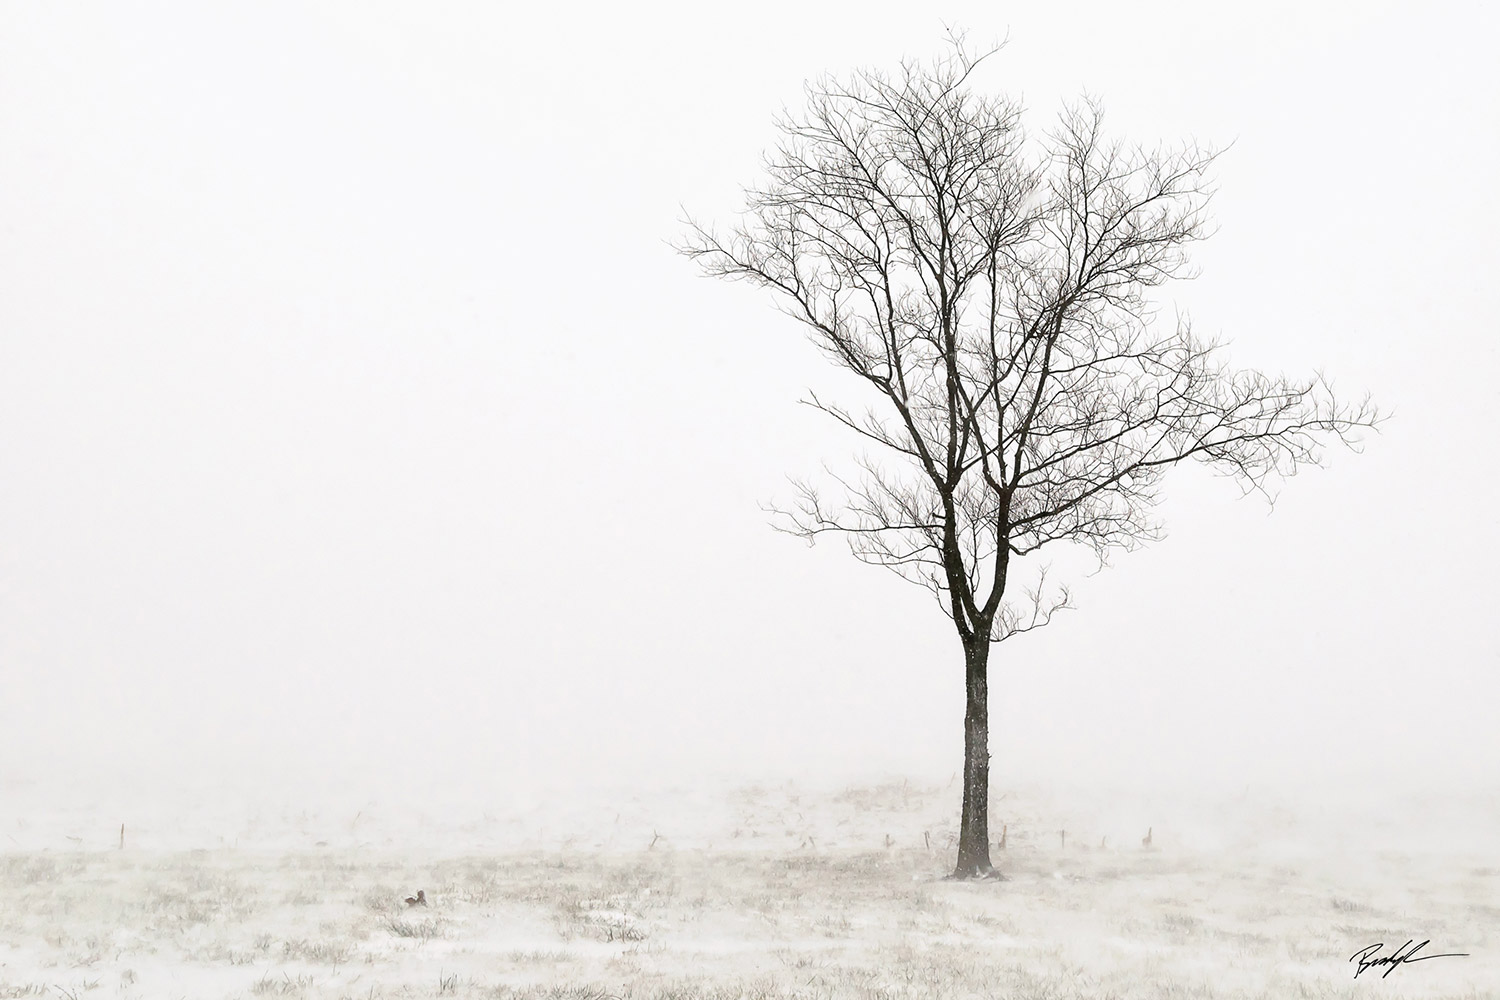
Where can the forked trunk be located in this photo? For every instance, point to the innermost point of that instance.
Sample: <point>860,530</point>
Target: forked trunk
<point>974,830</point>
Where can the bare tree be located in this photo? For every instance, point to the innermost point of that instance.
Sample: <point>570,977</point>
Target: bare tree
<point>989,289</point>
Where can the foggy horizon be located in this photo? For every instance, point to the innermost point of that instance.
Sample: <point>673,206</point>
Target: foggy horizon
<point>361,425</point>
<point>389,603</point>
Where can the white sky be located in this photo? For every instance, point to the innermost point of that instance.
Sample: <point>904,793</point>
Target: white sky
<point>357,420</point>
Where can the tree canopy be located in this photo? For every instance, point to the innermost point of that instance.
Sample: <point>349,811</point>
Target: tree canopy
<point>991,287</point>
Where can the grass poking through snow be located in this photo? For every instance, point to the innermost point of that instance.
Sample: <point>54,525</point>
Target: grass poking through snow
<point>864,915</point>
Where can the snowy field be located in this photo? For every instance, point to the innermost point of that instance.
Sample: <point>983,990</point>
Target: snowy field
<point>774,890</point>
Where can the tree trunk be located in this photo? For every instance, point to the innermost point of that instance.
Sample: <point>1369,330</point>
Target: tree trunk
<point>974,831</point>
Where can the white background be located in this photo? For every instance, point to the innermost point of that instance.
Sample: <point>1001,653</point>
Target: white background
<point>358,421</point>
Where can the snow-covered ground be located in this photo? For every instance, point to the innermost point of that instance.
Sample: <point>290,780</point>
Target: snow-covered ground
<point>733,890</point>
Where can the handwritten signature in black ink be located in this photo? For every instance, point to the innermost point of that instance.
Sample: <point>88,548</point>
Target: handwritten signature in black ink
<point>1401,955</point>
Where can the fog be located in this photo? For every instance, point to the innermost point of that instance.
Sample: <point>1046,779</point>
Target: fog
<point>360,429</point>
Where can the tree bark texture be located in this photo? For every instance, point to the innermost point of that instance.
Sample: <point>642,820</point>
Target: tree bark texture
<point>974,828</point>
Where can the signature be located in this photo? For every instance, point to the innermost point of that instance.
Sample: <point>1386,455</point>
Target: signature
<point>1402,954</point>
